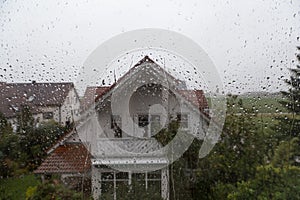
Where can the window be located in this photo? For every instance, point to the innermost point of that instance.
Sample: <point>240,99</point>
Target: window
<point>48,115</point>
<point>139,180</point>
<point>122,176</point>
<point>116,125</point>
<point>107,184</point>
<point>154,186</point>
<point>143,120</point>
<point>153,121</point>
<point>138,176</point>
<point>150,181</point>
<point>154,181</point>
<point>154,176</point>
<point>114,183</point>
<point>183,120</point>
<point>107,176</point>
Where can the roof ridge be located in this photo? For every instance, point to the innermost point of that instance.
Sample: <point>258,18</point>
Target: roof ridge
<point>143,60</point>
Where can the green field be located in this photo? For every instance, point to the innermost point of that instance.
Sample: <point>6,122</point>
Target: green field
<point>267,109</point>
<point>264,104</point>
<point>15,188</point>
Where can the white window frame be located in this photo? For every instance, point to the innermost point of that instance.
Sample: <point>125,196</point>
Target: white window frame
<point>149,121</point>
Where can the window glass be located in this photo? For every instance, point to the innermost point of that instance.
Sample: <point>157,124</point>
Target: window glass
<point>156,175</point>
<point>143,120</point>
<point>122,176</point>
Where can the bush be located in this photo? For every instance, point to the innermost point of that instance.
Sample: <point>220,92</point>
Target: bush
<point>51,190</point>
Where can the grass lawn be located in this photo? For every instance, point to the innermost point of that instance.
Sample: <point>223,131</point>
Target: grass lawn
<point>15,188</point>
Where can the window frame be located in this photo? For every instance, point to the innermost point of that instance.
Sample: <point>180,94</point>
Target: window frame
<point>149,121</point>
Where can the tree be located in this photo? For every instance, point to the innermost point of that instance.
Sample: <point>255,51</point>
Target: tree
<point>286,135</point>
<point>289,125</point>
<point>34,141</point>
<point>235,157</point>
<point>287,153</point>
<point>280,178</point>
<point>9,154</point>
<point>269,183</point>
<point>25,120</point>
<point>182,177</point>
<point>9,148</point>
<point>5,126</point>
<point>40,139</point>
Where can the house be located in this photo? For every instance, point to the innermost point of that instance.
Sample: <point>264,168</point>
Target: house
<point>47,101</point>
<point>118,126</point>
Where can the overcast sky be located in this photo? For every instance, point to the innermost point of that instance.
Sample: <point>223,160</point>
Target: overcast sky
<point>251,42</point>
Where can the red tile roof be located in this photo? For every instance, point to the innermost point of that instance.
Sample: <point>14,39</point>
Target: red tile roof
<point>197,98</point>
<point>91,93</point>
<point>67,158</point>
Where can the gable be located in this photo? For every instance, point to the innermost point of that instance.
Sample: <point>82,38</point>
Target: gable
<point>146,70</point>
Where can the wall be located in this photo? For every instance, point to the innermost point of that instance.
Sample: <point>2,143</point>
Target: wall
<point>70,107</point>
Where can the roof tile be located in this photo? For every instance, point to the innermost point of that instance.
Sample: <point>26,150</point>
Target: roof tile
<point>67,158</point>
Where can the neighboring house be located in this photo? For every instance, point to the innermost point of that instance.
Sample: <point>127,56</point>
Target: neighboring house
<point>124,140</point>
<point>48,101</point>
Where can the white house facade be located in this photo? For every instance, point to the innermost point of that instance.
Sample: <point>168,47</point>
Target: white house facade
<point>120,134</point>
<point>47,101</point>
